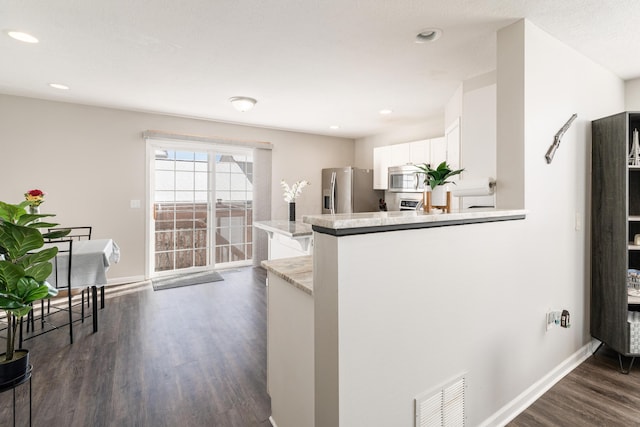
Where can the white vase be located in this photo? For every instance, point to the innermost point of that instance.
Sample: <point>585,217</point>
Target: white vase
<point>439,196</point>
<point>634,155</point>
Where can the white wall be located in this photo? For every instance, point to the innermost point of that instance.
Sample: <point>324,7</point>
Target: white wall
<point>410,324</point>
<point>554,252</point>
<point>632,95</point>
<point>91,162</point>
<point>431,127</point>
<point>453,109</point>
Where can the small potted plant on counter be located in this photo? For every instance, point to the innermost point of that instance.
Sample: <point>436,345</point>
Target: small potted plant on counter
<point>24,268</point>
<point>436,179</point>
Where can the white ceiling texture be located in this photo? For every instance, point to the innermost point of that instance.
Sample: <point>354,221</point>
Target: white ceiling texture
<point>310,64</point>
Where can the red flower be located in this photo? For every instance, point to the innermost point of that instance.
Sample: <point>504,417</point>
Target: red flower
<point>35,193</point>
<point>34,197</point>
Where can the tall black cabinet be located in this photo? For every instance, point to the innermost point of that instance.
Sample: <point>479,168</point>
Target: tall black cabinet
<point>615,220</point>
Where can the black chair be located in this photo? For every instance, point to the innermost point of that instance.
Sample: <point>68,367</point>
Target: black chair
<point>78,233</point>
<point>60,278</point>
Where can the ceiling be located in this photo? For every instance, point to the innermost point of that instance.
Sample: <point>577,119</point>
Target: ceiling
<point>310,64</point>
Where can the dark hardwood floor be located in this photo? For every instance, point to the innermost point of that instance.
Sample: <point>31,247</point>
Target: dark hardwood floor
<point>593,394</point>
<point>190,356</point>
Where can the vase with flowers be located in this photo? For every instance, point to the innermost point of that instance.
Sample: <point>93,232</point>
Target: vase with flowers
<point>290,195</point>
<point>35,198</point>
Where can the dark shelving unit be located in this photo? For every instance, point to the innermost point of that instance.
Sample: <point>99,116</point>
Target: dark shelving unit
<point>615,220</point>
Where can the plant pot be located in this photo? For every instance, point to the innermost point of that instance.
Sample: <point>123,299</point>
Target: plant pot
<point>14,370</point>
<point>439,196</point>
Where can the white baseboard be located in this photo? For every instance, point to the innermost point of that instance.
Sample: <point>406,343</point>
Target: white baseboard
<point>123,280</point>
<point>512,409</point>
<point>273,423</point>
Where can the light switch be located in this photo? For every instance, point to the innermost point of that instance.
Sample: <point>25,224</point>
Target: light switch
<point>135,204</point>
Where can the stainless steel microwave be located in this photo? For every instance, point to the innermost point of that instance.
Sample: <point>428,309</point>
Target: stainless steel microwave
<point>405,179</point>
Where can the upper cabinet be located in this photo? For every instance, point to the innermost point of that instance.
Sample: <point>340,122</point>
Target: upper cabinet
<point>419,152</point>
<point>400,154</point>
<point>381,163</point>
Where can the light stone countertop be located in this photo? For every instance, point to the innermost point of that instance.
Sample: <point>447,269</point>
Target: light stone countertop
<point>298,271</point>
<point>345,224</point>
<point>287,228</point>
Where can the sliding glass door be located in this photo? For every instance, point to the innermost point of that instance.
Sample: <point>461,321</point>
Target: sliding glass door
<point>201,207</point>
<point>234,208</point>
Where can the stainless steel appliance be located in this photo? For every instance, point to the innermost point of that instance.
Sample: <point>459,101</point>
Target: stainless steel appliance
<point>410,204</point>
<point>349,190</point>
<point>405,179</point>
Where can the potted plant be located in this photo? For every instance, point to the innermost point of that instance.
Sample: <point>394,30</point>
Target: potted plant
<point>437,178</point>
<point>24,268</point>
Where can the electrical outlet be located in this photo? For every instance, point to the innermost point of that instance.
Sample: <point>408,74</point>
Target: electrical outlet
<point>553,318</point>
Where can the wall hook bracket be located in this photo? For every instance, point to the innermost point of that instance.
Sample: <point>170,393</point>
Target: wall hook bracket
<point>556,139</point>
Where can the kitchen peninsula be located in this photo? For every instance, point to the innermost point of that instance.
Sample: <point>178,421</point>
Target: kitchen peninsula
<point>287,238</point>
<point>391,307</point>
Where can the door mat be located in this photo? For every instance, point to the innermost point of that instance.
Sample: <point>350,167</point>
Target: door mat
<point>187,279</point>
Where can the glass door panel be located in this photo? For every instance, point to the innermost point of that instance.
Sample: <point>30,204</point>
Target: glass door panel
<point>234,196</point>
<point>181,210</point>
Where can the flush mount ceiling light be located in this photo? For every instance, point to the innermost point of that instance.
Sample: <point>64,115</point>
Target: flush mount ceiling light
<point>23,37</point>
<point>385,111</point>
<point>59,86</point>
<point>428,35</point>
<point>334,127</point>
<point>242,103</point>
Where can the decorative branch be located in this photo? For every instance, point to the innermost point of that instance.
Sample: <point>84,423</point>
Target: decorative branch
<point>556,139</point>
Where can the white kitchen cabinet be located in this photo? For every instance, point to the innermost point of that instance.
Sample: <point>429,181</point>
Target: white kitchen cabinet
<point>400,154</point>
<point>438,151</point>
<point>420,152</point>
<point>381,163</point>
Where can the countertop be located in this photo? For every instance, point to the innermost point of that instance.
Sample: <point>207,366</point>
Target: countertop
<point>374,222</point>
<point>298,271</point>
<point>287,228</point>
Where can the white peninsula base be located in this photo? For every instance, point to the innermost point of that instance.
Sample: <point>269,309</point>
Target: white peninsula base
<point>290,351</point>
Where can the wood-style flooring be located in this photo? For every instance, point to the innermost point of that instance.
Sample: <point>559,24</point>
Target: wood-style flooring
<point>593,394</point>
<point>190,356</point>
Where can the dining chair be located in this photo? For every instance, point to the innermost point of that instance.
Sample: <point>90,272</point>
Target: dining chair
<point>60,278</point>
<point>79,233</point>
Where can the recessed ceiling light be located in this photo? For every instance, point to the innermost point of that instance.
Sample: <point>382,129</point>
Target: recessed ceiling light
<point>59,86</point>
<point>23,37</point>
<point>385,111</point>
<point>334,127</point>
<point>428,35</point>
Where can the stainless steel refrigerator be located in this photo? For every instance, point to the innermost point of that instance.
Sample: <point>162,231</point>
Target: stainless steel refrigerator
<point>349,190</point>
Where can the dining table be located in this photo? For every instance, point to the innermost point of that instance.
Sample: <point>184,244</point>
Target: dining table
<point>90,261</point>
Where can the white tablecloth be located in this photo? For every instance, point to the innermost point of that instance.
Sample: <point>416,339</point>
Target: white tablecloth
<point>89,263</point>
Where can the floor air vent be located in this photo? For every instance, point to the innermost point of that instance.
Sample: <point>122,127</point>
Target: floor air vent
<point>442,407</point>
